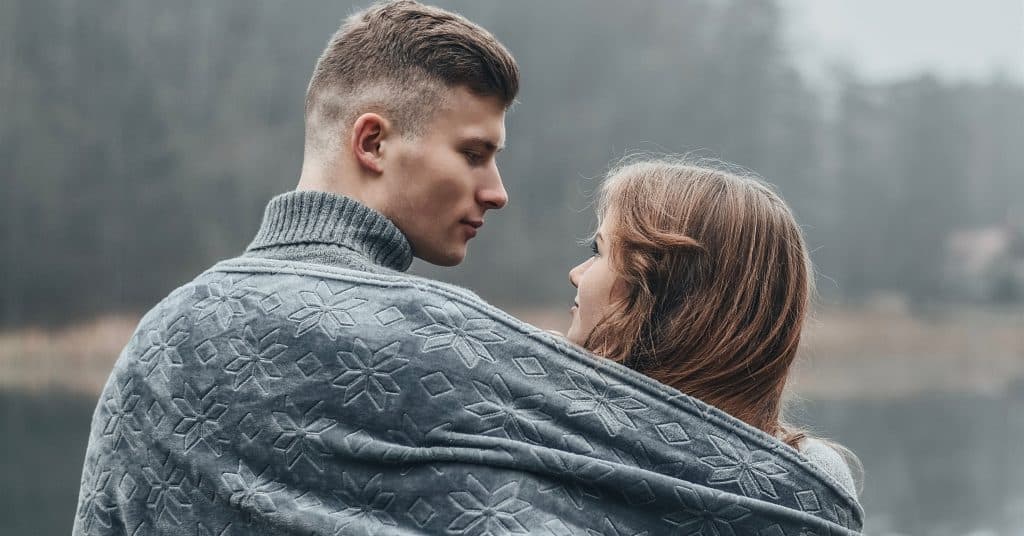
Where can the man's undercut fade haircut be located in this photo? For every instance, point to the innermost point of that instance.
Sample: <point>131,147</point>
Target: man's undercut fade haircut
<point>396,58</point>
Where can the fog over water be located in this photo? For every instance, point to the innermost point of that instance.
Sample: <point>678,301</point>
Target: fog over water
<point>140,141</point>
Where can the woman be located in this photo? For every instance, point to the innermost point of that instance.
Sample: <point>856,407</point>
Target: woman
<point>700,279</point>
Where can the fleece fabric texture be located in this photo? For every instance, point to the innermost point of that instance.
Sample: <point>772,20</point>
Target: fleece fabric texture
<point>311,387</point>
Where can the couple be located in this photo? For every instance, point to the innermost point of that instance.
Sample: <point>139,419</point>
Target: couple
<point>310,386</point>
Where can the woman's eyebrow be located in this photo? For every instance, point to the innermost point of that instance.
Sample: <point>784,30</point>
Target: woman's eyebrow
<point>599,237</point>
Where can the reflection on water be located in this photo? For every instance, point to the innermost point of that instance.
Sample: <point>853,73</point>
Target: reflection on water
<point>44,439</point>
<point>939,464</point>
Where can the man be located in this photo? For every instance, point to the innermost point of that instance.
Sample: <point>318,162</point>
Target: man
<point>310,386</point>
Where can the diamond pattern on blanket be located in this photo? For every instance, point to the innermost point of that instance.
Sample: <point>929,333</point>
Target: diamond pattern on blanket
<point>251,492</point>
<point>206,351</point>
<point>612,404</point>
<point>254,358</point>
<point>164,343</point>
<point>808,500</point>
<point>156,413</point>
<point>751,471</point>
<point>436,383</point>
<point>842,516</point>
<point>249,427</point>
<point>370,373</point>
<point>452,328</point>
<point>389,316</point>
<point>127,486</point>
<point>530,365</point>
<point>421,512</point>
<point>270,302</point>
<point>168,489</point>
<point>513,415</point>
<point>326,309</point>
<point>364,507</point>
<point>95,506</point>
<point>710,513</point>
<point>575,477</point>
<point>639,493</point>
<point>672,433</point>
<point>118,412</point>
<point>296,419</point>
<point>201,414</point>
<point>482,511</point>
<point>301,436</point>
<point>221,300</point>
<point>309,364</point>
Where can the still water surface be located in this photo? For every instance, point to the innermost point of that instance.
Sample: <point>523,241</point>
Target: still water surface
<point>936,464</point>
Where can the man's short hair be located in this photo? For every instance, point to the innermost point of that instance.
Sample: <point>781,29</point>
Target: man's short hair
<point>397,58</point>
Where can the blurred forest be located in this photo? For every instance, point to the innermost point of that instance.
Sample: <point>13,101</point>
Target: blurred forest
<point>139,142</point>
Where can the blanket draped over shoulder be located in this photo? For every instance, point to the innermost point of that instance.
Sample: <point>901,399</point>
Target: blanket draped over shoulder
<point>278,395</point>
<point>443,416</point>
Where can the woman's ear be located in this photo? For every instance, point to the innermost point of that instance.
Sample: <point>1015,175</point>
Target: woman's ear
<point>368,131</point>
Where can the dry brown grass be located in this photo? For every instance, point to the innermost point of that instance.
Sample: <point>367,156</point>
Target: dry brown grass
<point>853,353</point>
<point>884,352</point>
<point>76,358</point>
<point>846,353</point>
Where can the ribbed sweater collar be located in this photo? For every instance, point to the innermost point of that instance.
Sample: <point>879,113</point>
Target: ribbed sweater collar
<point>306,217</point>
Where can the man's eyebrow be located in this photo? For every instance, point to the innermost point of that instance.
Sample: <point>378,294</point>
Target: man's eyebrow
<point>488,144</point>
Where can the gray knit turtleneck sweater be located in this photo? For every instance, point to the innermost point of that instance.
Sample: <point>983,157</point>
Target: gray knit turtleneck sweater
<point>323,228</point>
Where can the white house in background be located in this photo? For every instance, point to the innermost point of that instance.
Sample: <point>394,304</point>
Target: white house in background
<point>986,264</point>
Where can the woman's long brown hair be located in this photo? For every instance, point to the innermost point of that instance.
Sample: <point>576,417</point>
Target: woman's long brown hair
<point>719,282</point>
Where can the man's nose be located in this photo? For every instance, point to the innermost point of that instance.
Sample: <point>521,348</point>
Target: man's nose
<point>493,195</point>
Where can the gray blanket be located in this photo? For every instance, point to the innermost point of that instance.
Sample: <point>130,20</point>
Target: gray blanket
<point>273,397</point>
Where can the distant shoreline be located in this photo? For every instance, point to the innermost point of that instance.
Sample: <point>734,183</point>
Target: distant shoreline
<point>846,353</point>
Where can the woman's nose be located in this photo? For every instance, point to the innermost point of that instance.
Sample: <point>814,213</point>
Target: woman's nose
<point>575,273</point>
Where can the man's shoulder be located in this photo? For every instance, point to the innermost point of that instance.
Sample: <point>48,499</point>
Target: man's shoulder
<point>259,275</point>
<point>302,314</point>
<point>246,290</point>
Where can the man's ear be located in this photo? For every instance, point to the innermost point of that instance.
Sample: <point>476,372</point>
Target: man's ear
<point>368,131</point>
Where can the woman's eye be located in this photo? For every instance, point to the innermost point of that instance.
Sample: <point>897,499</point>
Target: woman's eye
<point>593,247</point>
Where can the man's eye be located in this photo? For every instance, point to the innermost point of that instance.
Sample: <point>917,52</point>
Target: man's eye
<point>473,158</point>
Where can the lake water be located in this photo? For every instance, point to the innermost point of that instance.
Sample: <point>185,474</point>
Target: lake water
<point>936,464</point>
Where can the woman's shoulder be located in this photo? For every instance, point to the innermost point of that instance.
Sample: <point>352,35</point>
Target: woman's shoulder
<point>830,460</point>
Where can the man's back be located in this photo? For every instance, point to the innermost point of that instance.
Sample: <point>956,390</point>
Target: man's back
<point>181,435</point>
<point>309,387</point>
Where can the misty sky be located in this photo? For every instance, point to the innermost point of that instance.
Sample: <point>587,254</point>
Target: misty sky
<point>887,39</point>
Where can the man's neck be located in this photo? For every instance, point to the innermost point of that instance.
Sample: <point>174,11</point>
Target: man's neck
<point>339,178</point>
<point>311,225</point>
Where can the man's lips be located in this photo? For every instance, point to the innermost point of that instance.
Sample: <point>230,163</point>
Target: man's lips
<point>471,227</point>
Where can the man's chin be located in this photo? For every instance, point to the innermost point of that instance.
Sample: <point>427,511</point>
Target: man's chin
<point>446,259</point>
